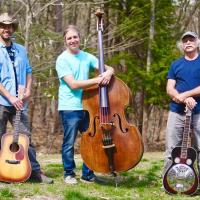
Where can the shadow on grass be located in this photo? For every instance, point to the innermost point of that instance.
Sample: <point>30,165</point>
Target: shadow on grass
<point>138,178</point>
<point>52,170</point>
<point>146,176</point>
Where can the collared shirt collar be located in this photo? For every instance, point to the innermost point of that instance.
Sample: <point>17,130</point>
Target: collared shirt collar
<point>3,45</point>
<point>14,47</point>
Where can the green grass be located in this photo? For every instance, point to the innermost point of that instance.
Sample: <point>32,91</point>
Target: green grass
<point>141,183</point>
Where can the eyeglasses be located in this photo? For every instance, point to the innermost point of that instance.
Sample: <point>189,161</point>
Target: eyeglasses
<point>190,39</point>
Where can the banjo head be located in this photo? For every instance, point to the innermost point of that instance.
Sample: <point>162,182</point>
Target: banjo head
<point>181,178</point>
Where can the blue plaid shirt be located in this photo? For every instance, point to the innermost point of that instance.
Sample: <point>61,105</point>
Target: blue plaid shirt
<point>7,75</point>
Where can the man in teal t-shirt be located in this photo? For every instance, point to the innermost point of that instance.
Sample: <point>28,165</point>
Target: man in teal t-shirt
<point>76,65</point>
<point>73,67</point>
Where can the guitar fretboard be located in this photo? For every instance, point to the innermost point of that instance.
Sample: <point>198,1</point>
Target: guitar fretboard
<point>16,126</point>
<point>21,90</point>
<point>187,128</point>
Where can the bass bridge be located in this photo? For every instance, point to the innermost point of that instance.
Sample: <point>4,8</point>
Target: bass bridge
<point>108,144</point>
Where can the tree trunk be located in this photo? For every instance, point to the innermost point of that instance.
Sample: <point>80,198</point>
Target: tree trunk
<point>148,68</point>
<point>58,13</point>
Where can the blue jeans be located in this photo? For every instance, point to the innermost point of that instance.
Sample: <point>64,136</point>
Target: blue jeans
<point>8,114</point>
<point>73,121</point>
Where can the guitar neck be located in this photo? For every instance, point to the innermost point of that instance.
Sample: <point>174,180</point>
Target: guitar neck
<point>16,126</point>
<point>185,142</point>
<point>21,91</point>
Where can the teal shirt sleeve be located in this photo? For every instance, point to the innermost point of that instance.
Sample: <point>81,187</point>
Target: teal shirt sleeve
<point>63,68</point>
<point>94,61</point>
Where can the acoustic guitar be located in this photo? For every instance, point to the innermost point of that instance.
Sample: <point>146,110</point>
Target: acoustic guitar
<point>181,176</point>
<point>14,161</point>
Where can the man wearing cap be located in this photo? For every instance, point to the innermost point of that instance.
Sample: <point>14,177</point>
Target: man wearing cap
<point>183,87</point>
<point>15,71</point>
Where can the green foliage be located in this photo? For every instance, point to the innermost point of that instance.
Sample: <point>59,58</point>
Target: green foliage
<point>134,20</point>
<point>5,193</point>
<point>128,38</point>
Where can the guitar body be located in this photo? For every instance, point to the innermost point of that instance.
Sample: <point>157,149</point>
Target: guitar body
<point>14,161</point>
<point>181,176</point>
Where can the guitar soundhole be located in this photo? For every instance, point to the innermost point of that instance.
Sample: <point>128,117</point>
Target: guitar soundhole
<point>14,147</point>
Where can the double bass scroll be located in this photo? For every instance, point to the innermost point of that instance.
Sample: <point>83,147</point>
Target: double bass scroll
<point>111,144</point>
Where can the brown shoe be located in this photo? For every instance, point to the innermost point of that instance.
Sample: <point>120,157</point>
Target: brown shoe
<point>40,177</point>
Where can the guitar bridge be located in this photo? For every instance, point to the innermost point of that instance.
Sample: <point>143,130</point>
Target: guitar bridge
<point>13,162</point>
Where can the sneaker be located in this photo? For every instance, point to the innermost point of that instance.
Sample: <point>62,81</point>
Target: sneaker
<point>40,177</point>
<point>70,180</point>
<point>88,179</point>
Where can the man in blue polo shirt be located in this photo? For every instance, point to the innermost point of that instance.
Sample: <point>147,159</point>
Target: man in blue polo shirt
<point>183,88</point>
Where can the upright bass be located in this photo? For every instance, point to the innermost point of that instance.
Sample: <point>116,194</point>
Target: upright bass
<point>110,144</point>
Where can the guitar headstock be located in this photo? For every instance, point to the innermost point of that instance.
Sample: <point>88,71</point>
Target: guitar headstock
<point>188,111</point>
<point>21,91</point>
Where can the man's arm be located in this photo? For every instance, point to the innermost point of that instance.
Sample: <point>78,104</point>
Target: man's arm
<point>28,87</point>
<point>16,102</point>
<point>103,79</point>
<point>190,93</point>
<point>181,98</point>
<point>81,84</point>
<point>171,90</point>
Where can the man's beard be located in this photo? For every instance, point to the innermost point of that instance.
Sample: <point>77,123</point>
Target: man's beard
<point>8,39</point>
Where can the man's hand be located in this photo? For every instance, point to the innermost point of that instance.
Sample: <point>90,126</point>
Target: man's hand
<point>180,98</point>
<point>16,102</point>
<point>27,95</point>
<point>106,76</point>
<point>190,102</point>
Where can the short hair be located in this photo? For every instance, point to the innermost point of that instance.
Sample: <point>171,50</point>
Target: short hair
<point>71,27</point>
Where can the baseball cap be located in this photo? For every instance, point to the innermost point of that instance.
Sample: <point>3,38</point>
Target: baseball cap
<point>189,33</point>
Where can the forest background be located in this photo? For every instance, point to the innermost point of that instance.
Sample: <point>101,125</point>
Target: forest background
<point>140,39</point>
